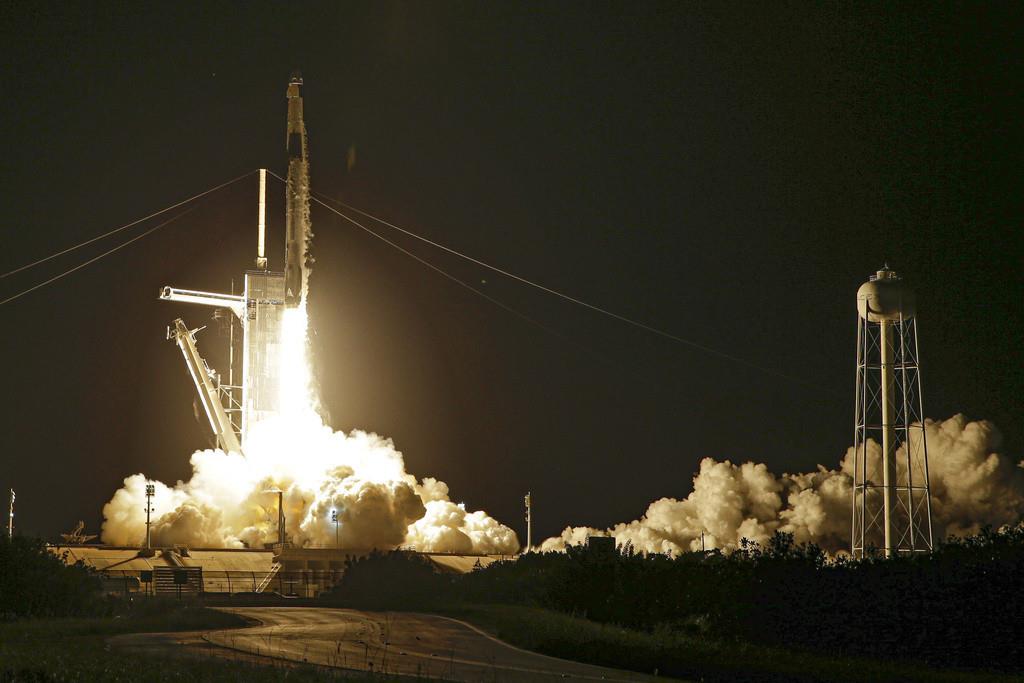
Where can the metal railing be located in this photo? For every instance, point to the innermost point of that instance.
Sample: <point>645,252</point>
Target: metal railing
<point>298,582</point>
<point>274,569</point>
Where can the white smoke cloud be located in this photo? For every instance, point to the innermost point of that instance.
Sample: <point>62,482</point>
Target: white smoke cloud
<point>228,501</point>
<point>972,484</point>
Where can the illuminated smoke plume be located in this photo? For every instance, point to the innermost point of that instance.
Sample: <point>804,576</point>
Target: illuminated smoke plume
<point>972,484</point>
<point>360,475</point>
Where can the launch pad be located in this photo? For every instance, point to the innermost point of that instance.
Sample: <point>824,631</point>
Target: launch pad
<point>290,571</point>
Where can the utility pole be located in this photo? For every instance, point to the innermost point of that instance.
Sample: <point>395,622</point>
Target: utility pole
<point>10,517</point>
<point>280,514</point>
<point>280,517</point>
<point>334,518</point>
<point>529,522</point>
<point>150,491</point>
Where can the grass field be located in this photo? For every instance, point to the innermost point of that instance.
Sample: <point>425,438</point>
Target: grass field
<point>41,650</point>
<point>76,650</point>
<point>686,656</point>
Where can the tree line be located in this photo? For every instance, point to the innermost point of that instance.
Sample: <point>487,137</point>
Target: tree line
<point>36,583</point>
<point>957,606</point>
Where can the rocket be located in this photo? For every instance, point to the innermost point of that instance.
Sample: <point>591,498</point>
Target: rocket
<point>297,225</point>
<point>232,408</point>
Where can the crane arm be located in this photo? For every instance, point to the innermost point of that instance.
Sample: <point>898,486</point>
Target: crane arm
<point>233,301</point>
<point>219,421</point>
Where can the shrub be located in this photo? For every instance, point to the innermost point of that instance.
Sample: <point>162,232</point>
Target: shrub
<point>393,580</point>
<point>36,583</point>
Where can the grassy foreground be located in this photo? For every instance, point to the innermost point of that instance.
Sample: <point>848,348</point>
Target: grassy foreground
<point>75,649</point>
<point>675,654</point>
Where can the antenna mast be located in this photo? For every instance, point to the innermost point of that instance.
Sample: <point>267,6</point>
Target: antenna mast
<point>261,257</point>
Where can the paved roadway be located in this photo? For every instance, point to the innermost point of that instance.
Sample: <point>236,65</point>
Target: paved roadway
<point>392,642</point>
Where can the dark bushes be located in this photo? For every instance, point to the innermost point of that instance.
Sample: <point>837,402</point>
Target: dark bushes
<point>36,583</point>
<point>958,606</point>
<point>394,580</point>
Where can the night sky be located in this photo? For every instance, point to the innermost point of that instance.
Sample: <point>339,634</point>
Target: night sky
<point>728,173</point>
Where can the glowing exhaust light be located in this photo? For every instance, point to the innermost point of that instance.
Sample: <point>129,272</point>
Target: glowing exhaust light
<point>296,398</point>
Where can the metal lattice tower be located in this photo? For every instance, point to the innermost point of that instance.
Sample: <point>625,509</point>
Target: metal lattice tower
<point>891,500</point>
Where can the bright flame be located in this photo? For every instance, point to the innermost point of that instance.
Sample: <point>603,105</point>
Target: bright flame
<point>296,397</point>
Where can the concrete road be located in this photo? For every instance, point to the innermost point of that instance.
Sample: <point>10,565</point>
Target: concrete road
<point>392,642</point>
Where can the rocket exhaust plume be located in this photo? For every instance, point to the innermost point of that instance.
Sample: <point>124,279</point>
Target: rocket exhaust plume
<point>973,484</point>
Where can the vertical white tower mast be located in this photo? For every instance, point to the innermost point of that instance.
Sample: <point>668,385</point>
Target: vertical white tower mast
<point>891,497</point>
<point>261,255</point>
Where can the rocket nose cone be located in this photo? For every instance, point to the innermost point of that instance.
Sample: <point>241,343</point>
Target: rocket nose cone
<point>296,77</point>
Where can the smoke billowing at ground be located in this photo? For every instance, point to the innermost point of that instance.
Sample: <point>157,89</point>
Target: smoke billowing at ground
<point>228,501</point>
<point>972,485</point>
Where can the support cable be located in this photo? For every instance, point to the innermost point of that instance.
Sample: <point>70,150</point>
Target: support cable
<point>124,227</point>
<point>519,314</point>
<point>97,258</point>
<point>448,275</point>
<point>553,292</point>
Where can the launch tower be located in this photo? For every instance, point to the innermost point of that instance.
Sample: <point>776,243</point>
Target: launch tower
<point>891,501</point>
<point>258,311</point>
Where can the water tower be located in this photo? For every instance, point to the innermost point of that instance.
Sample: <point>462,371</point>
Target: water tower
<point>892,512</point>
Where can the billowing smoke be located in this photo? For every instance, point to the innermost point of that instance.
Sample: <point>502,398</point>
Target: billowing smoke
<point>972,485</point>
<point>231,499</point>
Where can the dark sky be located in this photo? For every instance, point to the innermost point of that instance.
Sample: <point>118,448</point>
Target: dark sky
<point>726,172</point>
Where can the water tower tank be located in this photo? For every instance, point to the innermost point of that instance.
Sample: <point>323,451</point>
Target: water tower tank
<point>884,297</point>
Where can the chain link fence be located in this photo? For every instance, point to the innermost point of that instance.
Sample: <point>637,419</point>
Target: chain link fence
<point>305,583</point>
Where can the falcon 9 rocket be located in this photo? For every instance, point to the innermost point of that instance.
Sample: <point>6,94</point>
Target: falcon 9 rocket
<point>232,408</point>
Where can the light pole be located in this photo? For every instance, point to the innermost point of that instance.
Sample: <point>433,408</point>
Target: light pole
<point>150,491</point>
<point>10,517</point>
<point>334,518</point>
<point>280,514</point>
<point>281,529</point>
<point>529,521</point>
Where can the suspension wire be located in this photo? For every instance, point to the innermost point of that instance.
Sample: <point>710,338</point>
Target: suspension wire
<point>97,258</point>
<point>554,292</point>
<point>124,227</point>
<point>456,280</point>
<point>597,355</point>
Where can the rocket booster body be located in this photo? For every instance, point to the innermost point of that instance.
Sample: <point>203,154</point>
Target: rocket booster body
<point>297,224</point>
